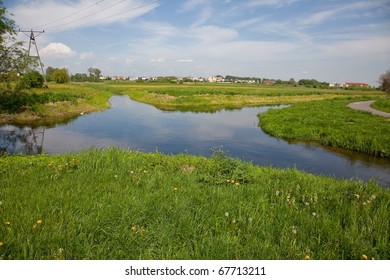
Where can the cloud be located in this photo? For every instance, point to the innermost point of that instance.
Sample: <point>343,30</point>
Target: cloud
<point>277,3</point>
<point>44,14</point>
<point>87,55</point>
<point>58,50</point>
<point>189,5</point>
<point>213,33</point>
<point>157,60</point>
<point>187,60</point>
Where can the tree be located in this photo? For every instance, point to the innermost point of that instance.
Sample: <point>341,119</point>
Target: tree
<point>60,76</point>
<point>292,82</point>
<point>32,79</point>
<point>384,81</point>
<point>94,73</point>
<point>49,72</point>
<point>13,57</point>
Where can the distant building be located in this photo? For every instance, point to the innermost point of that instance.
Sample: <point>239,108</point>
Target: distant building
<point>268,82</point>
<point>348,84</point>
<point>351,84</point>
<point>216,79</point>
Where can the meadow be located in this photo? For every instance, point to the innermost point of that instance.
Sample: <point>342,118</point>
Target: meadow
<point>119,204</point>
<point>331,123</point>
<point>55,104</point>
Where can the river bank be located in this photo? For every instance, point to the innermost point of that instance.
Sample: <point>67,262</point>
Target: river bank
<point>117,204</point>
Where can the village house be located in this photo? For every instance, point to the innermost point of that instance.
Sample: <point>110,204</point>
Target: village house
<point>348,84</point>
<point>216,79</point>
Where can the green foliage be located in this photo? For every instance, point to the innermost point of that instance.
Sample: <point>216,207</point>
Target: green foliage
<point>60,76</point>
<point>18,102</point>
<point>312,83</point>
<point>384,81</point>
<point>382,105</point>
<point>32,79</point>
<point>13,58</point>
<point>118,204</point>
<point>330,123</point>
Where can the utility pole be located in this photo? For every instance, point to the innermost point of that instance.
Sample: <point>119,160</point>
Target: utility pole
<point>32,36</point>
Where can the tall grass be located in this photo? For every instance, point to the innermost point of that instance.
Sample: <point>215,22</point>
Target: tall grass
<point>57,103</point>
<point>117,204</point>
<point>330,123</point>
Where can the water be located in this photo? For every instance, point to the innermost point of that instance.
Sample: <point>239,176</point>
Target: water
<point>142,127</point>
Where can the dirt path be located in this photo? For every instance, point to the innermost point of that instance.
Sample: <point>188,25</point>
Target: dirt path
<point>366,106</point>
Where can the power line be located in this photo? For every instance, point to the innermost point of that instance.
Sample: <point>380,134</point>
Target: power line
<point>87,16</point>
<point>67,16</point>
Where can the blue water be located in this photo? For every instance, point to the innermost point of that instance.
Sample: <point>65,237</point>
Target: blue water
<point>142,127</point>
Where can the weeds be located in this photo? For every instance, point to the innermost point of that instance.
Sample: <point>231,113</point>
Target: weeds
<point>118,204</point>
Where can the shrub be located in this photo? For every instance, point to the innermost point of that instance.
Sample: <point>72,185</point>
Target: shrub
<point>60,76</point>
<point>32,79</point>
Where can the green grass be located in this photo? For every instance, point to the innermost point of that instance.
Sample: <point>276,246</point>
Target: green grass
<point>118,204</point>
<point>212,97</point>
<point>382,105</point>
<point>330,123</point>
<point>47,106</point>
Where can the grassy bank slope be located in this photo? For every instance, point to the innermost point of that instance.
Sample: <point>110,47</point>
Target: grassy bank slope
<point>212,97</point>
<point>117,204</point>
<point>58,103</point>
<point>330,123</point>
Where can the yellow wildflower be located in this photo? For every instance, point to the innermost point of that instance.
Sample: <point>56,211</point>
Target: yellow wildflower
<point>237,184</point>
<point>307,257</point>
<point>1,243</point>
<point>39,222</point>
<point>364,257</point>
<point>175,189</point>
<point>8,223</point>
<point>134,228</point>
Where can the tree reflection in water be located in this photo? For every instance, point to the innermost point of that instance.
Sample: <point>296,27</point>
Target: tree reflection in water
<point>24,140</point>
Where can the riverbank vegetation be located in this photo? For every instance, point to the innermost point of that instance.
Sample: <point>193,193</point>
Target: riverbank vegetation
<point>119,204</point>
<point>212,97</point>
<point>330,123</point>
<point>382,104</point>
<point>56,103</point>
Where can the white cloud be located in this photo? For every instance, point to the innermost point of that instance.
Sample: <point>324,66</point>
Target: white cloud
<point>57,15</point>
<point>158,60</point>
<point>58,49</point>
<point>87,55</point>
<point>189,5</point>
<point>187,60</point>
<point>213,33</point>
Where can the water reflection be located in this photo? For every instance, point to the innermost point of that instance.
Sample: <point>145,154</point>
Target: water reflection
<point>142,127</point>
<point>25,140</point>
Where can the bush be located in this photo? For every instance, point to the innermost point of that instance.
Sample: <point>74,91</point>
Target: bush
<point>32,79</point>
<point>60,76</point>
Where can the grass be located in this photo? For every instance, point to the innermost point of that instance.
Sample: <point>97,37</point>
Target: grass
<point>47,106</point>
<point>330,123</point>
<point>213,97</point>
<point>117,204</point>
<point>382,104</point>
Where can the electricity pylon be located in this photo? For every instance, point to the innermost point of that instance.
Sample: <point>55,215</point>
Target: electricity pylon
<point>32,36</point>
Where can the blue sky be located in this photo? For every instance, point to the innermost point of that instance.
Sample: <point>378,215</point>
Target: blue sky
<point>326,40</point>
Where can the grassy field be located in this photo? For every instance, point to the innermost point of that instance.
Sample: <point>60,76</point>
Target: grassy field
<point>330,123</point>
<point>212,97</point>
<point>117,204</point>
<point>57,103</point>
<point>382,104</point>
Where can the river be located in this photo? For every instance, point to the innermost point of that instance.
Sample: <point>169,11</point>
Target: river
<point>138,126</point>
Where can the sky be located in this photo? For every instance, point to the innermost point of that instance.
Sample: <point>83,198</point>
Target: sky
<point>326,40</point>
